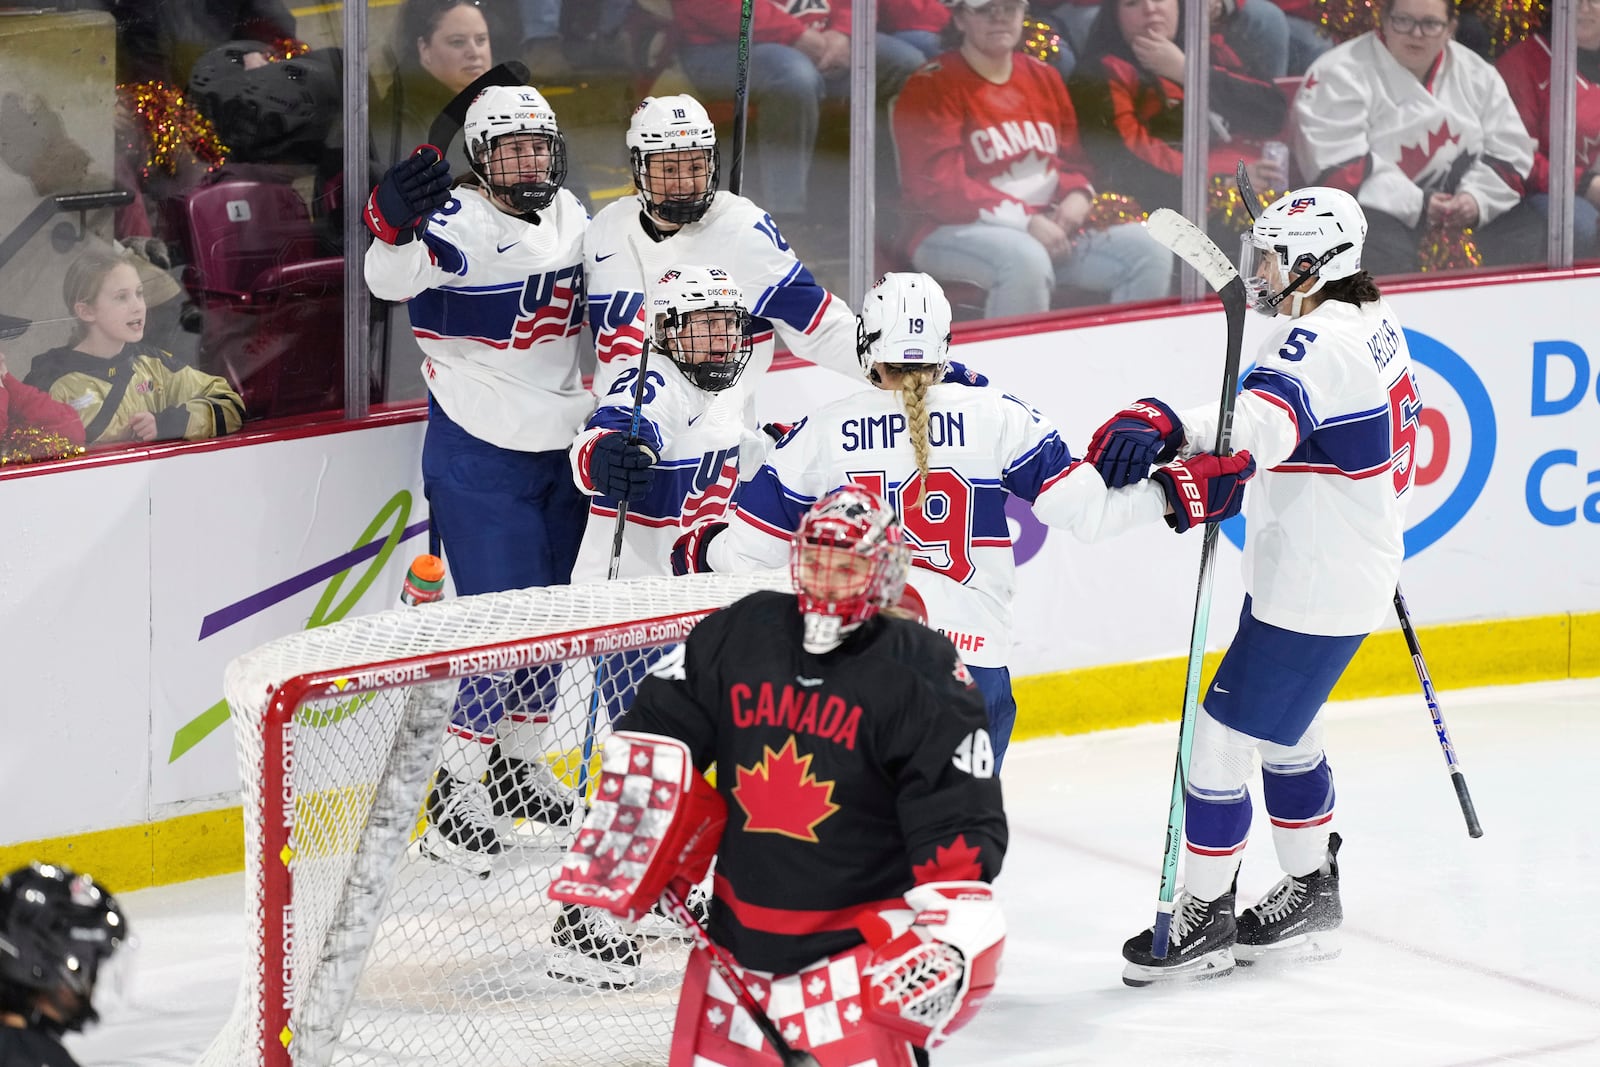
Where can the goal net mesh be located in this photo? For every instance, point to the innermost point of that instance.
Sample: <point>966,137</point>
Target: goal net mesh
<point>368,943</point>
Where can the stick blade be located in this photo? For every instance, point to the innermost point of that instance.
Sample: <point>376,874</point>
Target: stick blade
<point>1189,243</point>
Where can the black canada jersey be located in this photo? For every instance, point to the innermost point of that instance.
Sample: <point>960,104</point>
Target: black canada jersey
<point>849,777</point>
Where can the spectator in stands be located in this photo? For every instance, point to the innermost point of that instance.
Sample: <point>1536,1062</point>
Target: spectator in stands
<point>34,425</point>
<point>1307,38</point>
<point>1129,95</point>
<point>996,188</point>
<point>1424,134</point>
<point>160,41</point>
<point>123,389</point>
<point>1268,41</point>
<point>799,55</point>
<point>1526,70</point>
<point>440,48</point>
<point>919,23</point>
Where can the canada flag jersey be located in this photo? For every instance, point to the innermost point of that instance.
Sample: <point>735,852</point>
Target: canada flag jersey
<point>844,774</point>
<point>1526,69</point>
<point>1365,124</point>
<point>974,151</point>
<point>697,437</point>
<point>497,305</point>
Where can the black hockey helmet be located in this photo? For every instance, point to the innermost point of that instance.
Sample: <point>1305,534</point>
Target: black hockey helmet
<point>57,930</point>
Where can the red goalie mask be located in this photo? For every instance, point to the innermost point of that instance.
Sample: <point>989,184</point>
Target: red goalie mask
<point>849,561</point>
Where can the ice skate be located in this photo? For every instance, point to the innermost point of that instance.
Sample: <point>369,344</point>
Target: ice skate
<point>1298,920</point>
<point>1200,946</point>
<point>461,832</point>
<point>659,924</point>
<point>591,948</point>
<point>529,791</point>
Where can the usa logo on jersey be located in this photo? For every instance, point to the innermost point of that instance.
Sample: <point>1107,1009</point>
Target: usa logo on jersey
<point>711,488</point>
<point>552,307</point>
<point>619,327</point>
<point>1300,203</point>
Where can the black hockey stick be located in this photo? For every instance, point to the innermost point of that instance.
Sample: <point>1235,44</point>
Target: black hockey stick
<point>1189,243</point>
<point>1247,193</point>
<point>741,100</point>
<point>1459,780</point>
<point>453,116</point>
<point>723,964</point>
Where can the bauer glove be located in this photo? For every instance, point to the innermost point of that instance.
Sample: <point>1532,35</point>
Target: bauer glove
<point>619,468</point>
<point>1134,439</point>
<point>410,191</point>
<point>1204,488</point>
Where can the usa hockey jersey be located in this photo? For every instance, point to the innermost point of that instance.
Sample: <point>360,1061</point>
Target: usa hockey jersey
<point>850,777</point>
<point>1365,124</point>
<point>697,436</point>
<point>497,307</point>
<point>1330,413</point>
<point>985,444</point>
<point>736,235</point>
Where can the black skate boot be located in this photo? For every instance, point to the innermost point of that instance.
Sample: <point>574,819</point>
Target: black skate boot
<point>461,831</point>
<point>1200,946</point>
<point>1298,919</point>
<point>527,789</point>
<point>592,948</point>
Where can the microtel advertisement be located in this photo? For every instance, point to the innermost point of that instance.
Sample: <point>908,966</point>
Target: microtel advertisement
<point>128,588</point>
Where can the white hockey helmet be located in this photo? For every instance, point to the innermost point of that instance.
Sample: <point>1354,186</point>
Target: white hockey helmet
<point>849,561</point>
<point>904,320</point>
<point>1312,232</point>
<point>673,124</point>
<point>699,320</point>
<point>501,110</point>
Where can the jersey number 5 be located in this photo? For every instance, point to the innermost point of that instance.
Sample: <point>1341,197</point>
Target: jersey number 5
<point>1405,413</point>
<point>938,523</point>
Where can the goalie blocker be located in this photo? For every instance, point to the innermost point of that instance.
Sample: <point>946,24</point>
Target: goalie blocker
<point>922,975</point>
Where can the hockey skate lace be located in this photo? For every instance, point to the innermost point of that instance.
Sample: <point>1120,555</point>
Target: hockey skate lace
<point>468,806</point>
<point>1284,896</point>
<point>1191,916</point>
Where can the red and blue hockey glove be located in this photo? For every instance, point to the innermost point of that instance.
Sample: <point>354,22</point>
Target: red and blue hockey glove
<point>410,191</point>
<point>1204,488</point>
<point>777,430</point>
<point>1133,440</point>
<point>620,469</point>
<point>689,550</point>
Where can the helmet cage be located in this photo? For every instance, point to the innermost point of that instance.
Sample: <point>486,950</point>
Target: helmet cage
<point>500,111</point>
<point>522,196</point>
<point>675,210</point>
<point>681,335</point>
<point>854,521</point>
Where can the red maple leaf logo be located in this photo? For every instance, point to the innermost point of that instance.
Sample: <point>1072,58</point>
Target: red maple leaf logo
<point>780,795</point>
<point>958,863</point>
<point>1414,160</point>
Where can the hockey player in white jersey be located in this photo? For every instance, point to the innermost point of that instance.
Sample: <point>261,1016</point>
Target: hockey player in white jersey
<point>1330,413</point>
<point>945,455</point>
<point>493,276</point>
<point>681,216</point>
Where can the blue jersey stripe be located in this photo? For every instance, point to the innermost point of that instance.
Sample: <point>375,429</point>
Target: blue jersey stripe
<point>1355,446</point>
<point>447,256</point>
<point>1287,388</point>
<point>1040,464</point>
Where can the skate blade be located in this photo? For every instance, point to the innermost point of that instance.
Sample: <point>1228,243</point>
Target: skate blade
<point>1211,965</point>
<point>531,833</point>
<point>433,846</point>
<point>1302,948</point>
<point>572,966</point>
<point>660,928</point>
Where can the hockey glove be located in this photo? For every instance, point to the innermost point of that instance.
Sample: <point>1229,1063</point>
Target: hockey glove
<point>689,551</point>
<point>777,430</point>
<point>410,191</point>
<point>1135,438</point>
<point>960,374</point>
<point>1204,488</point>
<point>620,469</point>
<point>926,980</point>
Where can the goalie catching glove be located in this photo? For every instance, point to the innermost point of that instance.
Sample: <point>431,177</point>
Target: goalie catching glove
<point>654,820</point>
<point>410,191</point>
<point>932,966</point>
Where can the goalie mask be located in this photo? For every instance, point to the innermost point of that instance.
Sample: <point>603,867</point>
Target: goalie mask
<point>58,930</point>
<point>905,321</point>
<point>515,147</point>
<point>849,561</point>
<point>698,320</point>
<point>672,147</point>
<point>1313,232</point>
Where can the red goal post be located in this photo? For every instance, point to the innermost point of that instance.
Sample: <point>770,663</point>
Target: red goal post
<point>360,950</point>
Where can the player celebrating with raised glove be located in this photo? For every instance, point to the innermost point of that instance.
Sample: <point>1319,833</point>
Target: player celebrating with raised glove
<point>863,821</point>
<point>1331,413</point>
<point>493,276</point>
<point>946,453</point>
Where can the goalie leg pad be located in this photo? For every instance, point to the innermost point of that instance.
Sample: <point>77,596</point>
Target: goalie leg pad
<point>820,1009</point>
<point>654,819</point>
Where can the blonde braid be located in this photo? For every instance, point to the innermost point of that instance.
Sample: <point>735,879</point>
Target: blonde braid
<point>914,391</point>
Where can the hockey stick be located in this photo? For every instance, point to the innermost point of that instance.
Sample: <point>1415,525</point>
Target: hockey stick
<point>723,964</point>
<point>1189,243</point>
<point>1247,193</point>
<point>1458,779</point>
<point>611,575</point>
<point>453,116</point>
<point>741,100</point>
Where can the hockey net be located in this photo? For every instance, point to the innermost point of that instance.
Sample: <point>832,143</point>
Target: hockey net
<point>362,947</point>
